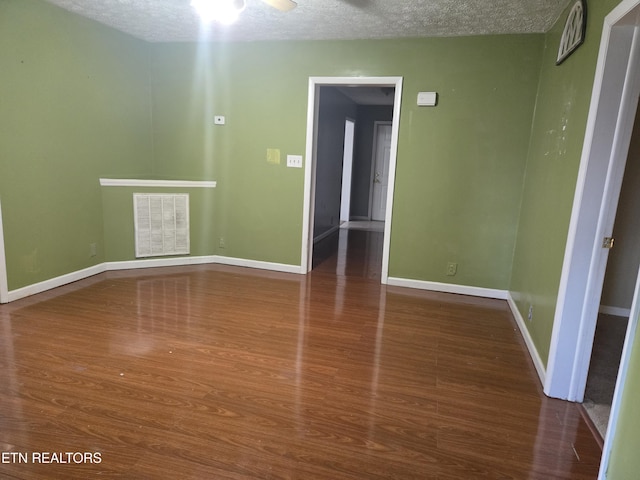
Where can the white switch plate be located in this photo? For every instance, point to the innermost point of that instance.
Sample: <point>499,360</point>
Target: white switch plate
<point>294,161</point>
<point>219,120</point>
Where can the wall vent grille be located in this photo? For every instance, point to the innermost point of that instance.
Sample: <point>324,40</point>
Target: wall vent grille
<point>161,223</point>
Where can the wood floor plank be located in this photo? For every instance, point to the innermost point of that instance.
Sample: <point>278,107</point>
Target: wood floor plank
<point>221,372</point>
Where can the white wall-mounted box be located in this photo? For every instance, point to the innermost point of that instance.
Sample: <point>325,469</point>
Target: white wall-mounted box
<point>427,99</point>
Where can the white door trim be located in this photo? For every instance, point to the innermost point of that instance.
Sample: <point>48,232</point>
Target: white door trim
<point>4,286</point>
<point>310,161</point>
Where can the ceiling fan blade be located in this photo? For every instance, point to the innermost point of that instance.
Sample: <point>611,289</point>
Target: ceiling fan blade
<point>282,5</point>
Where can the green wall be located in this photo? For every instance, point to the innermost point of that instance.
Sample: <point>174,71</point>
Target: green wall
<point>79,107</point>
<point>259,209</point>
<point>557,135</point>
<point>450,159</point>
<point>461,164</point>
<point>74,106</point>
<point>624,463</point>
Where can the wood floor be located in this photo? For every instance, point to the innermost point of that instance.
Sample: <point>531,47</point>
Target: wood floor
<point>215,372</point>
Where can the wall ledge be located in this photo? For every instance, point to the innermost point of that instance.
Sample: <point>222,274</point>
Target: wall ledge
<point>132,182</point>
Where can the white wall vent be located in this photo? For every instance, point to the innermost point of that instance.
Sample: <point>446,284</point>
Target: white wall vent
<point>161,224</point>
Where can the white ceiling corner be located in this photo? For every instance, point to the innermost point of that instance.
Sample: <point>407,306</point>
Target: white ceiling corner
<point>175,20</point>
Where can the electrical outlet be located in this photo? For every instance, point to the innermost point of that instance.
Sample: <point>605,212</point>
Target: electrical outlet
<point>530,314</point>
<point>221,243</point>
<point>452,269</point>
<point>93,249</point>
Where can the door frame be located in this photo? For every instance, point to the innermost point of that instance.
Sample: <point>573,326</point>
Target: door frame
<point>4,286</point>
<point>310,160</point>
<point>374,152</point>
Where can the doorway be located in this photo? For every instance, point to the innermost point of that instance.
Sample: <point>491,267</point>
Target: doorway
<point>314,206</point>
<point>617,292</point>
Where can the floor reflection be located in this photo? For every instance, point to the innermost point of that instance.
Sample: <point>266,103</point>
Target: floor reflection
<point>224,372</point>
<point>350,252</point>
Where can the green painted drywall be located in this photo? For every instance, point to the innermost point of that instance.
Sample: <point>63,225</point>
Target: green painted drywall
<point>460,165</point>
<point>74,106</point>
<point>259,213</point>
<point>624,462</point>
<point>555,148</point>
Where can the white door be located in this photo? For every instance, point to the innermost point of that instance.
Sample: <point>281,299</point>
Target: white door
<point>382,154</point>
<point>347,167</point>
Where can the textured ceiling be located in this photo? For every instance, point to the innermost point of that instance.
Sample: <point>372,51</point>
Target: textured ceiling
<point>175,20</point>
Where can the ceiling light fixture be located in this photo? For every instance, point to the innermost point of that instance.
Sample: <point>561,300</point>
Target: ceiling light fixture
<point>221,11</point>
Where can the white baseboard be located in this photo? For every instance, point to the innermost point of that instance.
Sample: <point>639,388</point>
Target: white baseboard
<point>524,331</point>
<point>448,288</point>
<point>243,262</point>
<point>55,282</point>
<point>159,262</point>
<point>616,311</point>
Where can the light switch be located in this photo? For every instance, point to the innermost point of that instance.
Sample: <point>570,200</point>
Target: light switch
<point>294,161</point>
<point>219,120</point>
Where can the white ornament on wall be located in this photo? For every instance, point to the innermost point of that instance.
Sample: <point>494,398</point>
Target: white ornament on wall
<point>574,30</point>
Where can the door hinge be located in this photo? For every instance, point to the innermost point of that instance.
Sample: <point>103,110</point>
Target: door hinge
<point>607,242</point>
